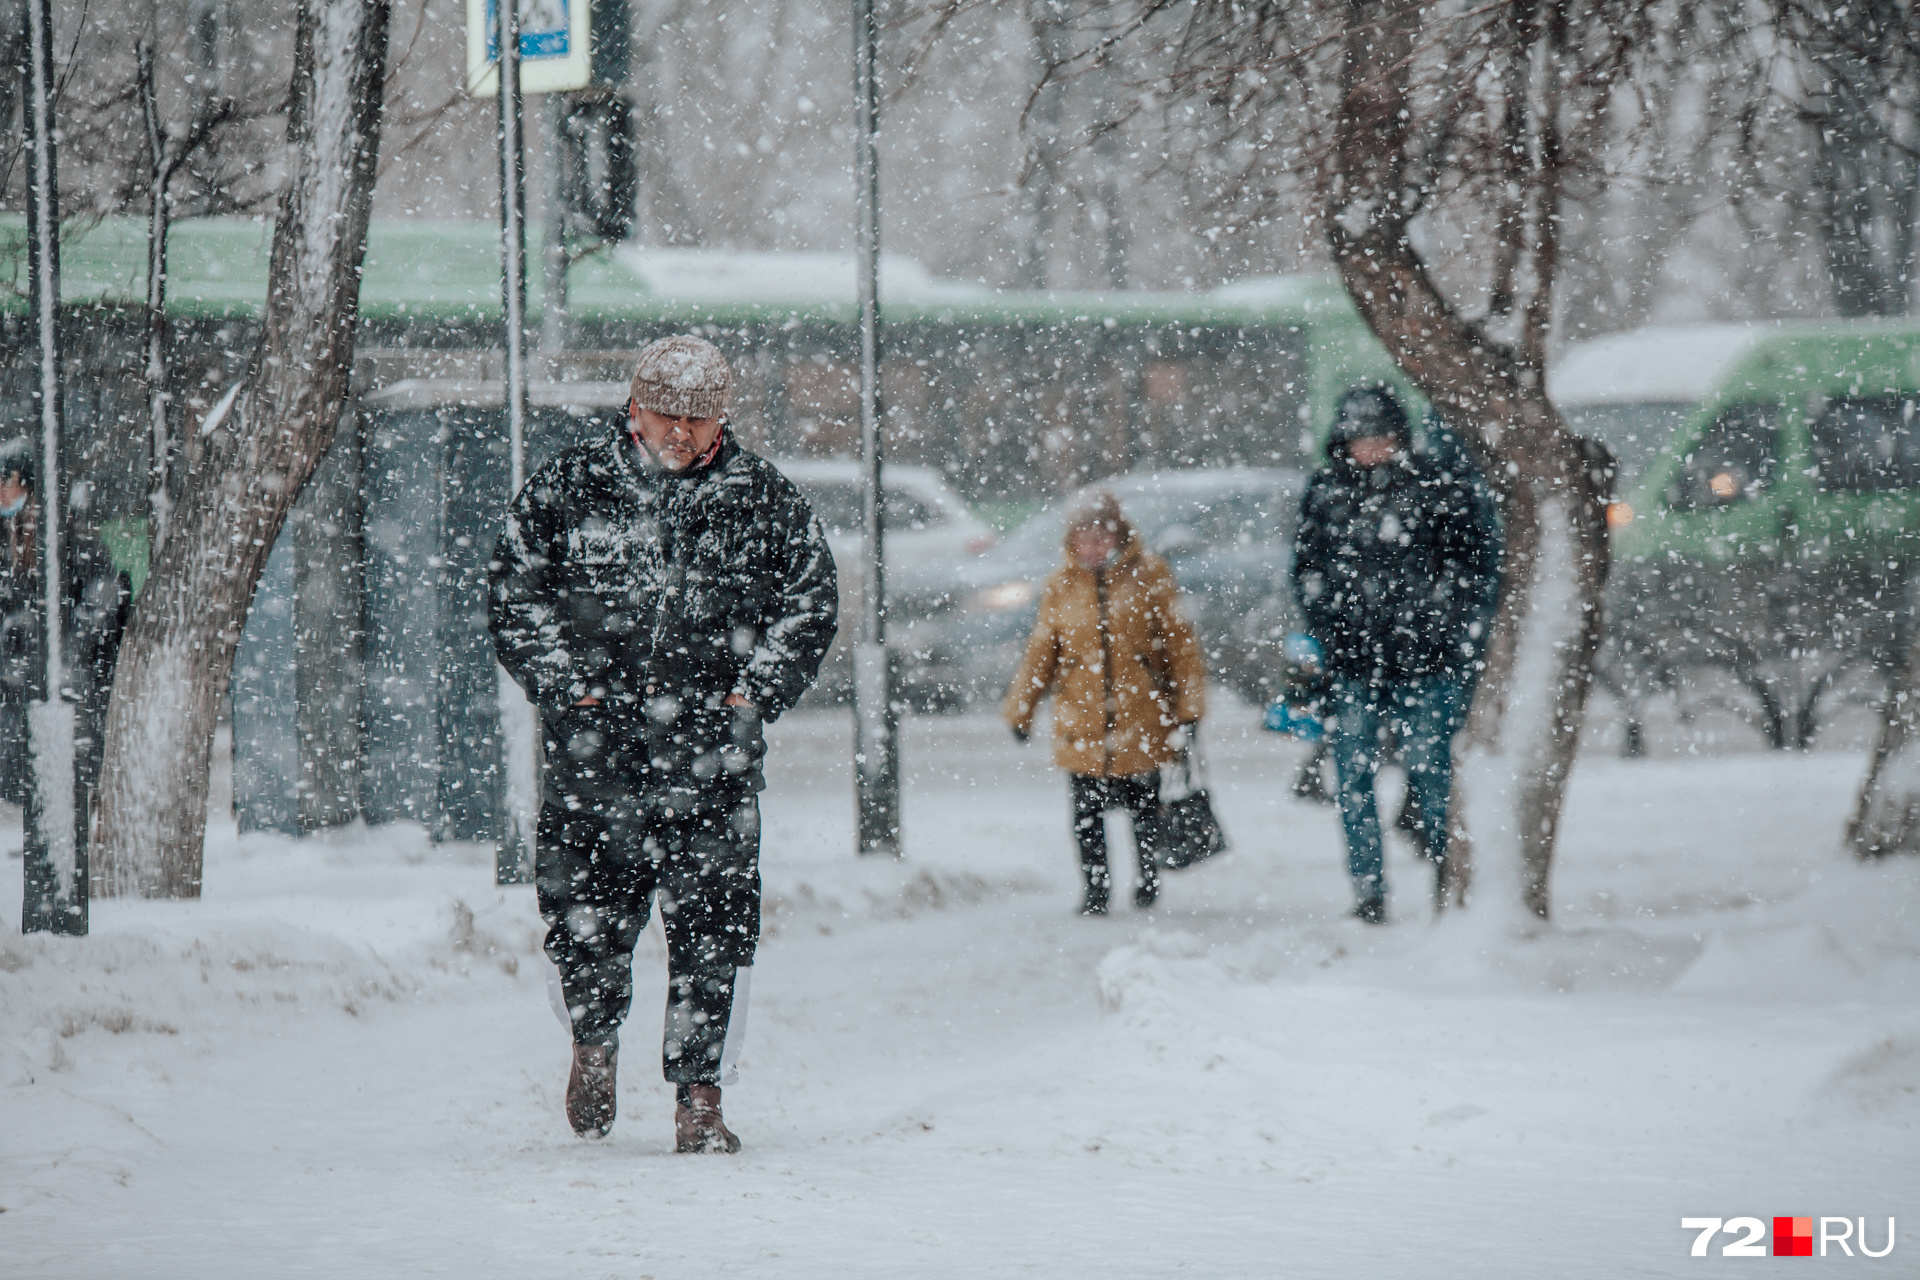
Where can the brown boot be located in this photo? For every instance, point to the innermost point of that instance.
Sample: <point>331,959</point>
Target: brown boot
<point>590,1090</point>
<point>698,1128</point>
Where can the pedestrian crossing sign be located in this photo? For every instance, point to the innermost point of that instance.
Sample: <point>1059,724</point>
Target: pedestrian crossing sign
<point>554,53</point>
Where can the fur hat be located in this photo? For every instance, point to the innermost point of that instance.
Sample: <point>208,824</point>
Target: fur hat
<point>1095,509</point>
<point>682,377</point>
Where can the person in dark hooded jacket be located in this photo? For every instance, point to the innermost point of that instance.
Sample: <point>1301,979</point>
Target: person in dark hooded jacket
<point>660,594</point>
<point>99,599</point>
<point>1396,571</point>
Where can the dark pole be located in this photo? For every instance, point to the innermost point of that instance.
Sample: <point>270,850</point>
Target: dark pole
<point>513,862</point>
<point>876,743</point>
<point>56,852</point>
<point>553,250</point>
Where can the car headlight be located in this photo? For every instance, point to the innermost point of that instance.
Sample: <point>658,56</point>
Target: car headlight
<point>1003,597</point>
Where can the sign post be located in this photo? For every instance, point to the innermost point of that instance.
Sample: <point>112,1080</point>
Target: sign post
<point>545,51</point>
<point>876,741</point>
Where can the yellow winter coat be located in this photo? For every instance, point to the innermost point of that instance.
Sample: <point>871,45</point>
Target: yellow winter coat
<point>1119,700</point>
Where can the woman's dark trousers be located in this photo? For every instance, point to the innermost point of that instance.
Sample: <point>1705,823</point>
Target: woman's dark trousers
<point>1138,796</point>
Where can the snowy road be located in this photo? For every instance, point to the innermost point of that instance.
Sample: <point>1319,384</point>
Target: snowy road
<point>329,1068</point>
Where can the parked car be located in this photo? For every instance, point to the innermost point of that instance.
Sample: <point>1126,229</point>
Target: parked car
<point>927,526</point>
<point>1226,533</point>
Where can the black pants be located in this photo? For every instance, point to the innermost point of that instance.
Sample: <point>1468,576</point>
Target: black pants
<point>597,869</point>
<point>1138,795</point>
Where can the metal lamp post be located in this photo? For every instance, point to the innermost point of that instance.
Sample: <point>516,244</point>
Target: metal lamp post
<point>55,871</point>
<point>513,860</point>
<point>876,744</point>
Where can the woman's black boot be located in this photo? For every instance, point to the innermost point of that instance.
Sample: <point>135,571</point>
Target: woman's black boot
<point>1149,891</point>
<point>1099,882</point>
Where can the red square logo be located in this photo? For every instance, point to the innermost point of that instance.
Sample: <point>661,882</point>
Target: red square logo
<point>1793,1237</point>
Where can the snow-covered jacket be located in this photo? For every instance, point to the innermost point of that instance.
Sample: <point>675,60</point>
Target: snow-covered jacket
<point>1395,570</point>
<point>99,599</point>
<point>660,594</point>
<point>1121,659</point>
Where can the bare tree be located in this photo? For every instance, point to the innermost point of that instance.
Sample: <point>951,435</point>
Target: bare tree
<point>166,153</point>
<point>1886,817</point>
<point>1851,79</point>
<point>1853,82</point>
<point>252,464</point>
<point>1040,180</point>
<point>1391,154</point>
<point>195,64</point>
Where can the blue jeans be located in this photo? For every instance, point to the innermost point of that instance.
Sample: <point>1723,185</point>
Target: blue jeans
<point>1423,715</point>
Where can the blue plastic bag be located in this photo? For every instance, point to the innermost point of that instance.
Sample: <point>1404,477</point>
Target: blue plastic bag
<point>1306,726</point>
<point>1298,711</point>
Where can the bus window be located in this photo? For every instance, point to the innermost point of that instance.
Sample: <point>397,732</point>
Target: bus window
<point>1732,463</point>
<point>1866,444</point>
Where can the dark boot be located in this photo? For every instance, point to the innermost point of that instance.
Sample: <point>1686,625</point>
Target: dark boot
<point>1310,783</point>
<point>1410,822</point>
<point>1371,911</point>
<point>1098,884</point>
<point>697,1126</point>
<point>590,1090</point>
<point>1148,891</point>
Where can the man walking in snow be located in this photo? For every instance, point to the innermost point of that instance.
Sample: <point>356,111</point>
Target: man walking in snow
<point>1396,574</point>
<point>660,594</point>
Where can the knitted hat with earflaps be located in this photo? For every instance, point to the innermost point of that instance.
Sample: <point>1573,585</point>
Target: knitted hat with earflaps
<point>682,377</point>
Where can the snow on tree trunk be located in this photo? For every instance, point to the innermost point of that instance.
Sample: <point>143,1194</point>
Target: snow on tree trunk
<point>1524,727</point>
<point>253,462</point>
<point>1528,707</point>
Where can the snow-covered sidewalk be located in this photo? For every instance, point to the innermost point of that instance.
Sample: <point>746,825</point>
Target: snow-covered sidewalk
<point>342,1061</point>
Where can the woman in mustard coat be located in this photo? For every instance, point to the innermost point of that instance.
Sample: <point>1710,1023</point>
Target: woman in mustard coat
<point>1112,645</point>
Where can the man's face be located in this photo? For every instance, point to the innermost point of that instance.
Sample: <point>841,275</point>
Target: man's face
<point>677,442</point>
<point>13,494</point>
<point>1373,451</point>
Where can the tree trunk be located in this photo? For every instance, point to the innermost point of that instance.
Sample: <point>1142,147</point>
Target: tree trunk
<point>1531,699</point>
<point>328,677</point>
<point>178,653</point>
<point>1054,38</point>
<point>1886,818</point>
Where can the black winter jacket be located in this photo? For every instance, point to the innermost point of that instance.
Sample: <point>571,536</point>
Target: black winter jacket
<point>1395,570</point>
<point>660,594</point>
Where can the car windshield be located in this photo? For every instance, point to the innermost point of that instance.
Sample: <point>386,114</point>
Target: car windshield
<point>838,505</point>
<point>1215,519</point>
